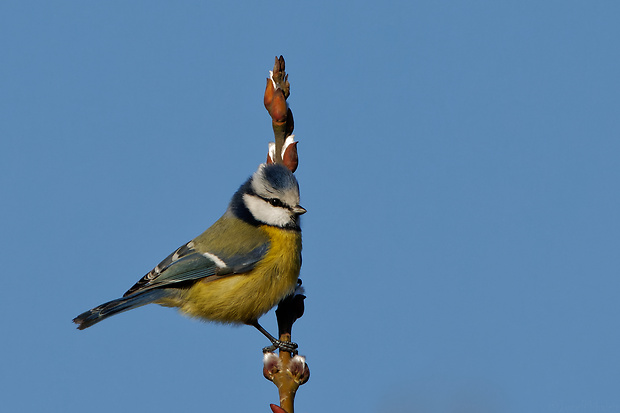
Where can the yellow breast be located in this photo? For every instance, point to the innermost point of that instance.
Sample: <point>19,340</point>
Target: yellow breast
<point>243,298</point>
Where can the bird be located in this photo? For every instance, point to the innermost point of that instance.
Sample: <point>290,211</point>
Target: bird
<point>235,271</point>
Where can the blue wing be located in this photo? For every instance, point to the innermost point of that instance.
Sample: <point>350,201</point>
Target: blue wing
<point>228,247</point>
<point>187,264</point>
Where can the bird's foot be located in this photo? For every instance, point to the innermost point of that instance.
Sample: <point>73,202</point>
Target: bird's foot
<point>283,346</point>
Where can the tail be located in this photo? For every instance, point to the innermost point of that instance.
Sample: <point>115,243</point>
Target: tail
<point>97,314</point>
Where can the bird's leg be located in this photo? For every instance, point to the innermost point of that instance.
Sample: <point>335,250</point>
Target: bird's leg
<point>275,343</point>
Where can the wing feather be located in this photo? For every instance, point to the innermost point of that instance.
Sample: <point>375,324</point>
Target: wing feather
<point>187,264</point>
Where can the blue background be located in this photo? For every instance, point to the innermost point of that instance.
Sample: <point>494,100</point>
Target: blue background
<point>459,162</point>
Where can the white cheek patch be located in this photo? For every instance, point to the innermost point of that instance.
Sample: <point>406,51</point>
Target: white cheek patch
<point>264,212</point>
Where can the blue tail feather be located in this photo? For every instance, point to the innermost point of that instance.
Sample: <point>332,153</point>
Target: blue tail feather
<point>117,306</point>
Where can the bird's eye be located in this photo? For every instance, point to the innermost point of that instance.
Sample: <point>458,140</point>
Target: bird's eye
<point>275,202</point>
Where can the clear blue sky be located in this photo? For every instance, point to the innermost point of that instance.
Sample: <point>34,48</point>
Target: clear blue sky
<point>460,166</point>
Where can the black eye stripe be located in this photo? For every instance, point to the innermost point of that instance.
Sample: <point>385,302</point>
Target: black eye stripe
<point>275,202</point>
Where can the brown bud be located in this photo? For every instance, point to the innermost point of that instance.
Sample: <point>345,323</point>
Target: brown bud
<point>271,365</point>
<point>277,108</point>
<point>290,158</point>
<point>299,369</point>
<point>269,89</point>
<point>290,123</point>
<point>276,409</point>
<point>278,68</point>
<point>271,153</point>
<point>280,78</point>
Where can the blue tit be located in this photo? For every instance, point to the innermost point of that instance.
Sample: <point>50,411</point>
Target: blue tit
<point>235,271</point>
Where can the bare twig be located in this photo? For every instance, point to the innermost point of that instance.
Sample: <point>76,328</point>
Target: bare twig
<point>286,371</point>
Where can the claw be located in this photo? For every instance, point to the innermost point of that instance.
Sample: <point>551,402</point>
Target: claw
<point>288,346</point>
